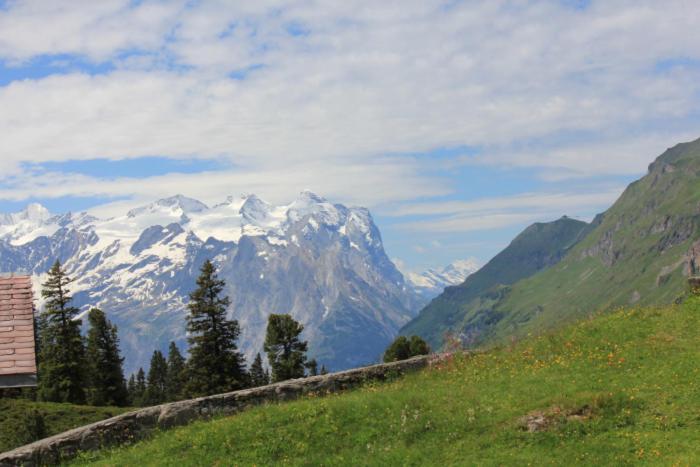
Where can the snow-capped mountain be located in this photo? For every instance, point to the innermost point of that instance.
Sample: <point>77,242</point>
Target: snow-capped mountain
<point>431,283</point>
<point>324,263</point>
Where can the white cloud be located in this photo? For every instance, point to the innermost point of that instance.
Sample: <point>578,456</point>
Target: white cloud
<point>628,156</point>
<point>493,213</point>
<point>368,79</point>
<point>370,184</point>
<point>97,30</point>
<point>561,201</point>
<point>475,223</point>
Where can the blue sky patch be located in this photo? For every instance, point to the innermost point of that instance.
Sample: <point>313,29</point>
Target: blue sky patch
<point>577,4</point>
<point>297,29</point>
<point>142,167</point>
<point>49,65</point>
<point>243,73</point>
<point>663,66</point>
<point>60,205</point>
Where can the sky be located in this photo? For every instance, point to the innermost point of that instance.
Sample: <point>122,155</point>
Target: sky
<point>458,123</point>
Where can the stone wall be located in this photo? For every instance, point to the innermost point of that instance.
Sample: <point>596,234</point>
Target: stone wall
<point>136,425</point>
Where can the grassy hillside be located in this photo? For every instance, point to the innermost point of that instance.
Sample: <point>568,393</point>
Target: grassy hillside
<point>57,418</point>
<point>619,389</point>
<point>539,246</point>
<point>637,252</point>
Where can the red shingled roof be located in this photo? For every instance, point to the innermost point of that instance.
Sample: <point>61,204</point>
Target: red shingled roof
<point>16,327</point>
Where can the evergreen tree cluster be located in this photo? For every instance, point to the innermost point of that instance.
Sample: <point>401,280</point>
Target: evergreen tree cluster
<point>403,348</point>
<point>215,364</point>
<point>165,380</point>
<point>73,368</point>
<point>89,369</point>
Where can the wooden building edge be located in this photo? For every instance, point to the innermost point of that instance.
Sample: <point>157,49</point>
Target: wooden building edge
<point>17,342</point>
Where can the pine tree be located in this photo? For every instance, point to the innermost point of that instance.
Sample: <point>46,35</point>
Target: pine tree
<point>403,348</point>
<point>131,389</point>
<point>286,353</point>
<point>105,375</point>
<point>156,387</point>
<point>40,325</point>
<point>312,366</point>
<point>323,370</point>
<point>176,373</point>
<point>258,375</point>
<point>62,358</point>
<point>398,350</point>
<point>215,365</point>
<point>138,397</point>
<point>418,346</point>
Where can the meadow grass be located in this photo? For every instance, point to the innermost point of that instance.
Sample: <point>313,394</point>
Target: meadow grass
<point>618,389</point>
<point>57,418</point>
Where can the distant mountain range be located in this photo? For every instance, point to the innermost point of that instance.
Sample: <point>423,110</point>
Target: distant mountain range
<point>432,282</point>
<point>324,263</point>
<point>640,251</point>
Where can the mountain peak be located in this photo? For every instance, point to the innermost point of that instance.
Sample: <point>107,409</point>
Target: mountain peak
<point>310,204</point>
<point>674,154</point>
<point>34,212</point>
<point>310,196</point>
<point>431,282</point>
<point>462,267</point>
<point>254,209</point>
<point>183,202</point>
<point>178,202</point>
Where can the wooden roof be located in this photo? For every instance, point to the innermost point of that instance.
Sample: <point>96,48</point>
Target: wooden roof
<point>16,330</point>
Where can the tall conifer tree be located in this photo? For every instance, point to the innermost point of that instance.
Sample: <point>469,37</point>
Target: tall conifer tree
<point>312,366</point>
<point>62,359</point>
<point>258,376</point>
<point>286,352</point>
<point>215,365</point>
<point>156,387</point>
<point>105,375</point>
<point>176,373</point>
<point>138,394</point>
<point>131,389</point>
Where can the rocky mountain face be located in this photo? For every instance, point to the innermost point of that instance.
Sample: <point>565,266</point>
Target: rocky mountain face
<point>431,283</point>
<point>640,251</point>
<point>324,263</point>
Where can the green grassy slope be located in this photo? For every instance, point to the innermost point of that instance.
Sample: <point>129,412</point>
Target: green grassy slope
<point>637,255</point>
<point>57,418</point>
<point>620,389</point>
<point>539,246</point>
<point>637,252</point>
